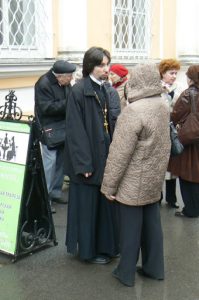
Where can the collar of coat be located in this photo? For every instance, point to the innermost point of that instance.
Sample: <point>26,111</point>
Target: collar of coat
<point>88,88</point>
<point>99,82</point>
<point>168,87</point>
<point>51,77</point>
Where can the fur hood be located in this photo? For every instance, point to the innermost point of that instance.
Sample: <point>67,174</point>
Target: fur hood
<point>144,81</point>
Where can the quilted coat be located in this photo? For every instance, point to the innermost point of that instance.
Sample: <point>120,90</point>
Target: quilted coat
<point>140,150</point>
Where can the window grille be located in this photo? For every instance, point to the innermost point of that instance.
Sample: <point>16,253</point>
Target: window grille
<point>23,28</point>
<point>131,28</point>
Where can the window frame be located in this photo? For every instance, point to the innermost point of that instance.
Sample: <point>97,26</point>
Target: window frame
<point>129,51</point>
<point>42,32</point>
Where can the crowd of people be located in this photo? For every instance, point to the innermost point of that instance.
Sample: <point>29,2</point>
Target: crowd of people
<point>116,154</point>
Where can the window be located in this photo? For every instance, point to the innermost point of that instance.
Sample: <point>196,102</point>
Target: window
<point>131,28</point>
<point>24,28</point>
<point>21,17</point>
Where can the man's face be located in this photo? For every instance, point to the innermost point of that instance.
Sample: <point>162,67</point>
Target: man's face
<point>64,79</point>
<point>101,72</point>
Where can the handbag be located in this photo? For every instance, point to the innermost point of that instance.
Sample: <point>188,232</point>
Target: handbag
<point>188,130</point>
<point>54,134</point>
<point>176,146</point>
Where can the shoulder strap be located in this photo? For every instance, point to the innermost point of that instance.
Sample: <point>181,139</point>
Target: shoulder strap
<point>126,91</point>
<point>37,121</point>
<point>193,101</point>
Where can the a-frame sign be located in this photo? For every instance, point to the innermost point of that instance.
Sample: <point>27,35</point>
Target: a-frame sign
<point>26,222</point>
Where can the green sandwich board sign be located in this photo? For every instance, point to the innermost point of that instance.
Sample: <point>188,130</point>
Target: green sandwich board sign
<point>14,139</point>
<point>16,146</point>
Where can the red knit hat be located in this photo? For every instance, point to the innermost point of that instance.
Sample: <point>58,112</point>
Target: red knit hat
<point>118,69</point>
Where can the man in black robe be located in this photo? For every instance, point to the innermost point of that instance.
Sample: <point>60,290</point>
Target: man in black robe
<point>90,120</point>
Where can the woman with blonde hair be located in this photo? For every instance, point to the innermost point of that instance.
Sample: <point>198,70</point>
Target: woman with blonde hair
<point>168,69</point>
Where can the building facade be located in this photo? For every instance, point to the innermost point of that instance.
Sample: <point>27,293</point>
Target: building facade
<point>34,33</point>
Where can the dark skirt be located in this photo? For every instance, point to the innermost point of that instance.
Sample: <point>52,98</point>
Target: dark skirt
<point>92,223</point>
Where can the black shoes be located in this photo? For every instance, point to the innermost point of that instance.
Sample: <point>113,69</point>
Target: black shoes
<point>141,272</point>
<point>52,209</point>
<point>115,256</point>
<point>115,274</point>
<point>183,215</point>
<point>179,214</point>
<point>100,260</point>
<point>59,200</point>
<point>173,205</point>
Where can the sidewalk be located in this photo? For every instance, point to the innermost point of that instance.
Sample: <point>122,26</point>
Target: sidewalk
<point>52,274</point>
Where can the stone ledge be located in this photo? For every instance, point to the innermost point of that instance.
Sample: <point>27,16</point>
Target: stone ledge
<point>20,68</point>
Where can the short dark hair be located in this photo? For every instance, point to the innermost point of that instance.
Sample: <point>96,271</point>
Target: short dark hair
<point>93,57</point>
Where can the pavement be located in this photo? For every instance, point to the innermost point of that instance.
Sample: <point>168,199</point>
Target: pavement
<point>52,274</point>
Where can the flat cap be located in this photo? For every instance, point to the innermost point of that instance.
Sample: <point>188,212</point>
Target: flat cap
<point>62,67</point>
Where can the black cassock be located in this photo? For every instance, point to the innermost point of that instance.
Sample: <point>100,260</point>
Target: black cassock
<point>92,223</point>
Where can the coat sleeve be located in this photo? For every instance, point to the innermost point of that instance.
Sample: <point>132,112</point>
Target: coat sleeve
<point>76,136</point>
<point>114,104</point>
<point>181,108</point>
<point>125,138</point>
<point>47,104</point>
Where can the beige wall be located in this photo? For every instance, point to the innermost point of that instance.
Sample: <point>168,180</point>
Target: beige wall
<point>55,26</point>
<point>169,28</point>
<point>163,22</point>
<point>99,32</point>
<point>155,29</point>
<point>163,39</point>
<point>22,82</point>
<point>99,23</point>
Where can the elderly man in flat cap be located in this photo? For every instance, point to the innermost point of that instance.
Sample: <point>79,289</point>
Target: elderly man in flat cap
<point>51,93</point>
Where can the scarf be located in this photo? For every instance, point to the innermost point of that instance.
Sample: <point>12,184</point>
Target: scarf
<point>117,84</point>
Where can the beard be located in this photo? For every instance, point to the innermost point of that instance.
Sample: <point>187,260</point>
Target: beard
<point>104,77</point>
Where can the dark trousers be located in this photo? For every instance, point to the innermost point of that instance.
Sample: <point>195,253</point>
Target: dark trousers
<point>171,191</point>
<point>140,229</point>
<point>190,197</point>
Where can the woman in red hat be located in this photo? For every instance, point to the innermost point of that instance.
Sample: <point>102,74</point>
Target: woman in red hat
<point>118,77</point>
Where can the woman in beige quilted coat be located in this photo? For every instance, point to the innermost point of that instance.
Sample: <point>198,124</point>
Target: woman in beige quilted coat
<point>134,174</point>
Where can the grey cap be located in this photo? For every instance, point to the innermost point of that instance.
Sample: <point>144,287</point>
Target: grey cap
<point>63,67</point>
